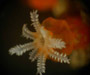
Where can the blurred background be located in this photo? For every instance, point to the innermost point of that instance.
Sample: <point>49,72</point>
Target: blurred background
<point>15,13</point>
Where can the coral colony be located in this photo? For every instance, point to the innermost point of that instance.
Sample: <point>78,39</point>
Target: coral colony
<point>43,45</point>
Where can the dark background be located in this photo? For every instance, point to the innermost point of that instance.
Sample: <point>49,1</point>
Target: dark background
<point>12,17</point>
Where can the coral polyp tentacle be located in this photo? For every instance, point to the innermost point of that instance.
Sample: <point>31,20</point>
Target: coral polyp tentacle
<point>20,49</point>
<point>27,33</point>
<point>33,55</point>
<point>35,21</point>
<point>57,43</point>
<point>60,57</point>
<point>41,64</point>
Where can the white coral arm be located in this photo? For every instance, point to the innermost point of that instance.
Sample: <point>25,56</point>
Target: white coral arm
<point>59,57</point>
<point>26,33</point>
<point>33,55</point>
<point>57,43</point>
<point>35,21</point>
<point>41,64</point>
<point>20,49</point>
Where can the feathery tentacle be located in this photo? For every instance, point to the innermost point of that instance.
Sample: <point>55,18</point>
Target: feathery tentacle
<point>41,64</point>
<point>57,43</point>
<point>35,21</point>
<point>33,55</point>
<point>20,49</point>
<point>59,57</point>
<point>27,33</point>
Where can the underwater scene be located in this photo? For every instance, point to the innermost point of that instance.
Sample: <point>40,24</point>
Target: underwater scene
<point>45,37</point>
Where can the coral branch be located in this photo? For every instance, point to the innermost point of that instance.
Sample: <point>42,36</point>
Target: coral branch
<point>20,49</point>
<point>35,21</point>
<point>41,64</point>
<point>26,33</point>
<point>59,57</point>
<point>57,43</point>
<point>33,55</point>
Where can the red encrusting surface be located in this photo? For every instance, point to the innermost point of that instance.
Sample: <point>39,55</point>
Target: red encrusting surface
<point>72,30</point>
<point>81,31</point>
<point>60,30</point>
<point>42,4</point>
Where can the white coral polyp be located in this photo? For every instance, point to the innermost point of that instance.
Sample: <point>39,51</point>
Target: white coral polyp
<point>41,40</point>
